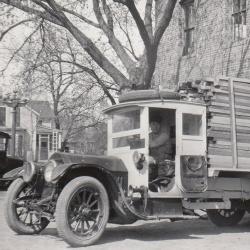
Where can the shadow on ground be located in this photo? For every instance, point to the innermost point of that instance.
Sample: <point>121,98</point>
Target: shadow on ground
<point>157,231</point>
<point>163,230</point>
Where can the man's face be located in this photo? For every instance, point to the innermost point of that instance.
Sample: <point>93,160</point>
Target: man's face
<point>155,126</point>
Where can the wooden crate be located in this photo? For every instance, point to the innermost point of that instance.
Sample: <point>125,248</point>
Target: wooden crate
<point>228,120</point>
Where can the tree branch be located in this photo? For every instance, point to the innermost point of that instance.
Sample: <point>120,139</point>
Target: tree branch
<point>114,42</point>
<point>14,26</point>
<point>148,18</point>
<point>138,20</point>
<point>90,47</point>
<point>164,18</point>
<point>18,4</point>
<point>108,14</point>
<point>19,49</point>
<point>86,20</point>
<point>92,73</point>
<point>125,31</point>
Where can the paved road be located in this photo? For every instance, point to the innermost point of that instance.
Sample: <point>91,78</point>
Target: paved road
<point>196,234</point>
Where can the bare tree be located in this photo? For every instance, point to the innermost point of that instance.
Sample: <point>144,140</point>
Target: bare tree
<point>80,114</point>
<point>73,86</point>
<point>71,15</point>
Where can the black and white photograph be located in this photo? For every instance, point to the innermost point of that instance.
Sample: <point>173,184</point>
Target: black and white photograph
<point>125,124</point>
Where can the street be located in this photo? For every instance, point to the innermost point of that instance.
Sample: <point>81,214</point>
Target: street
<point>196,234</point>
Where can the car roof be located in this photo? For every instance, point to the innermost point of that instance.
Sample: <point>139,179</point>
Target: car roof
<point>4,135</point>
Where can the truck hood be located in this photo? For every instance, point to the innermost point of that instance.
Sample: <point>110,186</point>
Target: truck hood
<point>110,163</point>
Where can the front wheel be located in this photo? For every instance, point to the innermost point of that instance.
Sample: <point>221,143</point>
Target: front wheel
<point>225,217</point>
<point>20,216</point>
<point>82,211</point>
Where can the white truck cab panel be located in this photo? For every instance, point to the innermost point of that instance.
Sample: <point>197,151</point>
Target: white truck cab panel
<point>190,136</point>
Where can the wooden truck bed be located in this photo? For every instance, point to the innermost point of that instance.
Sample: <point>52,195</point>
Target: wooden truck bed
<point>228,120</point>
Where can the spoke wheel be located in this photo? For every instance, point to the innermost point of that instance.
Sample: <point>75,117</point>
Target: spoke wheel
<point>82,211</point>
<point>19,216</point>
<point>225,217</point>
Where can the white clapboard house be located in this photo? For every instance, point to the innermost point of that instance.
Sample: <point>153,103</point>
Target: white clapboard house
<point>36,136</point>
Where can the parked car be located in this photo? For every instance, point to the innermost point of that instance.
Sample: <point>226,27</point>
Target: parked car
<point>7,163</point>
<point>83,192</point>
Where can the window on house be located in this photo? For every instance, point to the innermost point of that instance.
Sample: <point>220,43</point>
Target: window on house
<point>239,19</point>
<point>55,141</point>
<point>2,116</point>
<point>19,145</point>
<point>2,144</point>
<point>18,117</point>
<point>188,7</point>
<point>50,143</point>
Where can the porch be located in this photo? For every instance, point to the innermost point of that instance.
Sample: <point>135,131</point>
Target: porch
<point>48,141</point>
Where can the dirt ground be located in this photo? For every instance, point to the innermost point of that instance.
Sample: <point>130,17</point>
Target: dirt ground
<point>195,234</point>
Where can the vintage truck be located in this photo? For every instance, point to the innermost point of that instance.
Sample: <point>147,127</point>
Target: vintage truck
<point>208,123</point>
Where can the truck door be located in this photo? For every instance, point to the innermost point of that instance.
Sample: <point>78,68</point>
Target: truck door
<point>128,140</point>
<point>191,167</point>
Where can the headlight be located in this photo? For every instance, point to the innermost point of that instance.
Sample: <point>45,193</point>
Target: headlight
<point>194,163</point>
<point>29,171</point>
<point>49,169</point>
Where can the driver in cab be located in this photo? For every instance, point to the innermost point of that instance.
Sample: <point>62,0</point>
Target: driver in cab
<point>159,147</point>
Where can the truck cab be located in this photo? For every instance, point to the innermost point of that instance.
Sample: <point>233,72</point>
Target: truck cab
<point>194,182</point>
<point>184,123</point>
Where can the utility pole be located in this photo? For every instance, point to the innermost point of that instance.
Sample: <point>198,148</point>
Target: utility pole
<point>14,102</point>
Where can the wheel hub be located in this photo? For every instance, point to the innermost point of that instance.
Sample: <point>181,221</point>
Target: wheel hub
<point>86,211</point>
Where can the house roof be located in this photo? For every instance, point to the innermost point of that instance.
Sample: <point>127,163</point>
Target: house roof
<point>42,108</point>
<point>44,130</point>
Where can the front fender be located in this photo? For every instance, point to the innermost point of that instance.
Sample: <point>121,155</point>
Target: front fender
<point>69,161</point>
<point>14,173</point>
<point>60,170</point>
<point>110,171</point>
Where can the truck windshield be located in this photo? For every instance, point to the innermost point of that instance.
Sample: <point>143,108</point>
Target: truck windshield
<point>126,121</point>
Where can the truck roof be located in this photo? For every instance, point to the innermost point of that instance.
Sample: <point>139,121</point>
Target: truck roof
<point>138,98</point>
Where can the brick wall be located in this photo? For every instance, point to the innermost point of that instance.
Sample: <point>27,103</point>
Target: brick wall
<point>215,52</point>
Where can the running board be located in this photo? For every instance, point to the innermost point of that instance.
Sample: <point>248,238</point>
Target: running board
<point>226,204</point>
<point>179,217</point>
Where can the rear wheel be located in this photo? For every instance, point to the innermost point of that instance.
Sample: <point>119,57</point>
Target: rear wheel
<point>225,217</point>
<point>82,211</point>
<point>18,213</point>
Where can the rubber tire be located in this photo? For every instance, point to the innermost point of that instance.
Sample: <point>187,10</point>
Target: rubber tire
<point>149,94</point>
<point>10,212</point>
<point>61,210</point>
<point>221,221</point>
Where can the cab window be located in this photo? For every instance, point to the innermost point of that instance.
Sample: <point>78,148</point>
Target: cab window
<point>133,141</point>
<point>192,124</point>
<point>126,121</point>
<point>126,130</point>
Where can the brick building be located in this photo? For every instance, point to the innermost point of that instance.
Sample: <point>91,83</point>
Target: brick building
<point>206,38</point>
